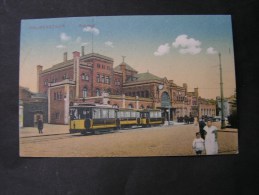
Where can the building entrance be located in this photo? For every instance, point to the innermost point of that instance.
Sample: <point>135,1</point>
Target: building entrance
<point>166,106</point>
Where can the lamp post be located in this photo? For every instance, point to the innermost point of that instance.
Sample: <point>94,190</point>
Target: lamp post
<point>169,114</point>
<point>221,95</point>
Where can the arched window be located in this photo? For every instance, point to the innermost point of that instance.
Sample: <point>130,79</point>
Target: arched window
<point>98,92</point>
<point>107,80</point>
<point>108,91</point>
<point>85,92</point>
<point>130,106</point>
<point>147,94</point>
<point>98,78</point>
<point>83,76</point>
<point>142,107</point>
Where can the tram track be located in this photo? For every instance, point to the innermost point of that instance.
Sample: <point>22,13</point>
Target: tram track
<point>44,138</point>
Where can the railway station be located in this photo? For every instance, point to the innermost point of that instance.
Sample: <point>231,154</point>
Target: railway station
<point>92,78</point>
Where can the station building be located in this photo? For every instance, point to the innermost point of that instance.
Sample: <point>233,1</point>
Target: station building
<point>93,78</point>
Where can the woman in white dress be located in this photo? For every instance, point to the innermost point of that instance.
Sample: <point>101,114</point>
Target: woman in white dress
<point>211,143</point>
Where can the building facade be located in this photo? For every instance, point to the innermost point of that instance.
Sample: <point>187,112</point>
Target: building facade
<point>92,78</point>
<point>32,107</point>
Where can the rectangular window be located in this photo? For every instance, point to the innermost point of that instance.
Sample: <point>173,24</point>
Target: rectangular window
<point>103,79</point>
<point>111,113</point>
<point>151,114</point>
<point>127,114</point>
<point>104,113</point>
<point>98,65</point>
<point>98,78</point>
<point>96,113</point>
<point>57,115</point>
<point>121,114</point>
<point>133,114</point>
<point>159,114</point>
<point>137,114</point>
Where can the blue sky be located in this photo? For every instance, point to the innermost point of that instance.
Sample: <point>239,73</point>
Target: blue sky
<point>175,47</point>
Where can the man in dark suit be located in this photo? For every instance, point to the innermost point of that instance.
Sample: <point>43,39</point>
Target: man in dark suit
<point>202,124</point>
<point>40,126</point>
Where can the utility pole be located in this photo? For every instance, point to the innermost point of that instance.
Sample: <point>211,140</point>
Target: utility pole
<point>221,95</point>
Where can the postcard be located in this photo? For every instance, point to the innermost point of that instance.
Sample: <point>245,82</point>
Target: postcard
<point>127,86</point>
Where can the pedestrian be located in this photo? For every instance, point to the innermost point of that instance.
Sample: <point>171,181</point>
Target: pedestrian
<point>211,143</point>
<point>198,144</point>
<point>202,124</point>
<point>40,126</point>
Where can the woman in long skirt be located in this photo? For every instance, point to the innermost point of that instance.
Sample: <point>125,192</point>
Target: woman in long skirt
<point>211,143</point>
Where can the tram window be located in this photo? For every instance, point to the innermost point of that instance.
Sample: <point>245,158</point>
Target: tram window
<point>111,113</point>
<point>86,113</point>
<point>151,114</point>
<point>118,114</point>
<point>121,114</point>
<point>133,114</point>
<point>96,113</point>
<point>74,114</point>
<point>137,114</point>
<point>159,114</point>
<point>104,113</point>
<point>127,114</point>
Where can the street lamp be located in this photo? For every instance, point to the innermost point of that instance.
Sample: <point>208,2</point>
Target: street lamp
<point>221,95</point>
<point>168,114</point>
<point>183,105</point>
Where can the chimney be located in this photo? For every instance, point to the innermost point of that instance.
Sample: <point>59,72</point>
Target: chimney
<point>65,56</point>
<point>83,50</point>
<point>185,86</point>
<point>39,71</point>
<point>196,92</point>
<point>76,56</point>
<point>123,70</point>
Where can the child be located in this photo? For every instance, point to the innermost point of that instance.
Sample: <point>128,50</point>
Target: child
<point>198,144</point>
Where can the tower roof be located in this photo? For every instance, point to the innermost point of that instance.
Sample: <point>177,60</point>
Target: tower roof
<point>145,77</point>
<point>128,67</point>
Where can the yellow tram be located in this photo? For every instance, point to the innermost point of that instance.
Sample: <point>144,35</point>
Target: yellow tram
<point>151,117</point>
<point>128,117</point>
<point>90,118</point>
<point>85,118</point>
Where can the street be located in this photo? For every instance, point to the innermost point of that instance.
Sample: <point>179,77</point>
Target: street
<point>173,140</point>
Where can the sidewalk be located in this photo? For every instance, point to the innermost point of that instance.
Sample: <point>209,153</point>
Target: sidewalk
<point>49,129</point>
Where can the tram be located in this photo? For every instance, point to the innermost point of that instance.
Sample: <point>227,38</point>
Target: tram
<point>128,117</point>
<point>89,118</point>
<point>151,117</point>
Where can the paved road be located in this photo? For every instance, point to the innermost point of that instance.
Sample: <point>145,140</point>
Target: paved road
<point>155,141</point>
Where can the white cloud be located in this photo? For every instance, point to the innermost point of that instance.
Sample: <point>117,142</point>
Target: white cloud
<point>78,40</point>
<point>61,47</point>
<point>85,43</point>
<point>211,50</point>
<point>64,37</point>
<point>92,29</point>
<point>162,50</point>
<point>109,44</point>
<point>187,45</point>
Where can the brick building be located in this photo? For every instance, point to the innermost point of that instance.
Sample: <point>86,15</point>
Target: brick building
<point>92,78</point>
<point>32,106</point>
